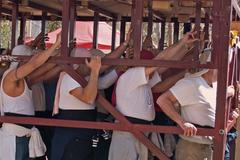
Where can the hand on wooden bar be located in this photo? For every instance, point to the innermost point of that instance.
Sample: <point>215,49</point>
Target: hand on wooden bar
<point>94,64</point>
<point>189,39</point>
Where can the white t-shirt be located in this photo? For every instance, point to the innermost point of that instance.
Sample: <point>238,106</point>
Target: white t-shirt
<point>69,102</point>
<point>198,103</point>
<point>133,94</point>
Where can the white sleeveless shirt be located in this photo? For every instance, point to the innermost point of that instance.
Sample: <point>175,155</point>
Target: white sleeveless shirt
<point>22,104</point>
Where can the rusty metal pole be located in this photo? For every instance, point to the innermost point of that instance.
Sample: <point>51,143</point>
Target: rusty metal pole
<point>137,25</point>
<point>65,27</point>
<point>122,31</point>
<point>95,30</point>
<point>221,26</point>
<point>150,18</point>
<point>114,30</point>
<point>176,30</point>
<point>14,24</point>
<point>162,39</point>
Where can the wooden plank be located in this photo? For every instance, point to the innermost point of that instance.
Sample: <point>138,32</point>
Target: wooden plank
<point>95,30</point>
<point>14,24</point>
<point>221,26</point>
<point>137,28</point>
<point>114,31</point>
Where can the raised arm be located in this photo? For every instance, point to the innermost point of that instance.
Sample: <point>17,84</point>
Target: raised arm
<point>119,51</point>
<point>166,102</point>
<point>88,94</point>
<point>35,62</point>
<point>174,52</point>
<point>167,83</point>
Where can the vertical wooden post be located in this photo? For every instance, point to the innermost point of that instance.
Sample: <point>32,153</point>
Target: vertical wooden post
<point>95,30</point>
<point>65,27</point>
<point>197,27</point>
<point>43,22</point>
<point>206,27</point>
<point>114,29</point>
<point>150,18</point>
<point>14,24</point>
<point>122,31</point>
<point>21,37</point>
<point>186,27</point>
<point>221,26</point>
<point>72,23</point>
<point>176,30</point>
<point>137,25</point>
<point>162,39</point>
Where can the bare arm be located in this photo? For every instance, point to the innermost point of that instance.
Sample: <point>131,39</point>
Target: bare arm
<point>46,76</point>
<point>166,102</point>
<point>35,62</point>
<point>88,94</point>
<point>167,83</point>
<point>174,52</point>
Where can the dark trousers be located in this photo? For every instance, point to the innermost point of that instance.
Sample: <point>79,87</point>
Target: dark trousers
<point>22,151</point>
<point>78,149</point>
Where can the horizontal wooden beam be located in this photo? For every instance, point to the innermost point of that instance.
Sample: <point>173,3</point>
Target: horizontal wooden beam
<point>127,62</point>
<point>44,8</point>
<point>100,125</point>
<point>99,10</point>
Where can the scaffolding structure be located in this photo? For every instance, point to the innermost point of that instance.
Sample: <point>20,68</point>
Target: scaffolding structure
<point>222,13</point>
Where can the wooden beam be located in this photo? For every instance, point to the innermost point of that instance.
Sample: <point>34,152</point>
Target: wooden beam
<point>21,37</point>
<point>137,27</point>
<point>162,39</point>
<point>198,28</point>
<point>100,10</point>
<point>114,30</point>
<point>187,27</point>
<point>221,27</point>
<point>122,31</point>
<point>206,27</point>
<point>43,22</point>
<point>73,14</point>
<point>150,18</point>
<point>175,30</point>
<point>95,30</point>
<point>65,27</point>
<point>44,8</point>
<point>14,24</point>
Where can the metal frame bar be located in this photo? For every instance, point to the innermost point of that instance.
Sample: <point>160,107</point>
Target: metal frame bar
<point>22,30</point>
<point>221,19</point>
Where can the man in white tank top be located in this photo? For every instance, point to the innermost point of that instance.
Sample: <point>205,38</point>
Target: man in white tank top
<point>17,100</point>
